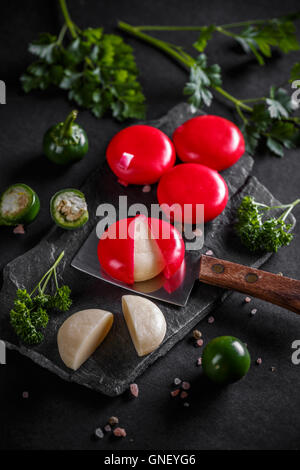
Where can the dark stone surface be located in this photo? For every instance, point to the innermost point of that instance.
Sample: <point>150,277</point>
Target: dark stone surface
<point>115,364</point>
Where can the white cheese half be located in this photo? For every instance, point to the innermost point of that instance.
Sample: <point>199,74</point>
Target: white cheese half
<point>148,260</point>
<point>81,334</point>
<point>145,321</point>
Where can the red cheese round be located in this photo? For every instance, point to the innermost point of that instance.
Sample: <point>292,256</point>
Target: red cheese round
<point>116,248</point>
<point>210,140</point>
<point>140,154</point>
<point>192,183</point>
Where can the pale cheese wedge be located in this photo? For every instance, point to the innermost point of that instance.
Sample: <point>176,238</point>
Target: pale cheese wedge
<point>145,321</point>
<point>81,334</point>
<point>148,260</point>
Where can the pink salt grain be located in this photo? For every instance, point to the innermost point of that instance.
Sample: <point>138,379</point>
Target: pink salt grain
<point>186,385</point>
<point>199,361</point>
<point>209,253</point>
<point>19,230</point>
<point>134,390</point>
<point>119,432</point>
<point>146,188</point>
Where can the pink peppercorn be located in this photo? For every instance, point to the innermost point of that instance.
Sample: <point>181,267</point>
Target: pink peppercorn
<point>119,432</point>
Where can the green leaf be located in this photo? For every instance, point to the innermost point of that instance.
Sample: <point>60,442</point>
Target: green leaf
<point>275,147</point>
<point>44,47</point>
<point>201,78</point>
<point>286,133</point>
<point>98,70</point>
<point>206,33</point>
<point>260,38</point>
<point>251,136</point>
<point>279,103</point>
<point>295,72</point>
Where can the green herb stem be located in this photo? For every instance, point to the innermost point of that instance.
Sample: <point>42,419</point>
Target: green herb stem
<point>183,58</point>
<point>67,17</point>
<point>238,24</point>
<point>62,34</point>
<point>186,60</point>
<point>289,209</point>
<point>49,272</point>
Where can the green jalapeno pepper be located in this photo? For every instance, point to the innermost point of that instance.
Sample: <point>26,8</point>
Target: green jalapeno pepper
<point>66,142</point>
<point>19,204</point>
<point>68,209</point>
<point>225,359</point>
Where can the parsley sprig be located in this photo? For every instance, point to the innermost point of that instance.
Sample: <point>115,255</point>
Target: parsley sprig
<point>257,37</point>
<point>269,119</point>
<point>258,230</point>
<point>97,70</point>
<point>30,312</point>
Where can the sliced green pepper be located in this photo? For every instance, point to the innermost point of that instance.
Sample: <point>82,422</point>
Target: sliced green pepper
<point>19,204</point>
<point>225,359</point>
<point>68,208</point>
<point>66,142</point>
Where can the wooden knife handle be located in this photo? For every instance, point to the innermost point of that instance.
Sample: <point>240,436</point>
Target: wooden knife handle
<point>274,288</point>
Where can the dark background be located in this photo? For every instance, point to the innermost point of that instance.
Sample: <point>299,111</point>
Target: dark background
<point>260,412</point>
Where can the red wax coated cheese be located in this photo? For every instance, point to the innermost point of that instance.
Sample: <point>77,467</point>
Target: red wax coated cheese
<point>116,248</point>
<point>191,183</point>
<point>210,140</point>
<point>140,154</point>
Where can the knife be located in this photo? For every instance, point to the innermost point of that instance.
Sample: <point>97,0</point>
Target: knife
<point>274,288</point>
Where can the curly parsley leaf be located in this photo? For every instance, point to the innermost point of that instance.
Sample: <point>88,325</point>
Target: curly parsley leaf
<point>98,70</point>
<point>29,314</point>
<point>202,77</point>
<point>257,231</point>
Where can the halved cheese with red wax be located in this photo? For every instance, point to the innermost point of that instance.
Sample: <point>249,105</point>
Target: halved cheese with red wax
<point>137,249</point>
<point>187,185</point>
<point>140,154</point>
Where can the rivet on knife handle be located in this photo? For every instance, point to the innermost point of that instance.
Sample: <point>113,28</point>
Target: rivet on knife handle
<point>274,288</point>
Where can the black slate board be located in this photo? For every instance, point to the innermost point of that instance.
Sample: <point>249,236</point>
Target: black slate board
<point>115,364</point>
